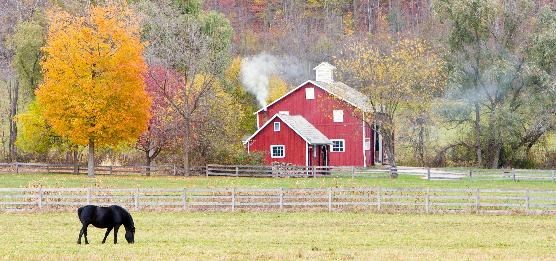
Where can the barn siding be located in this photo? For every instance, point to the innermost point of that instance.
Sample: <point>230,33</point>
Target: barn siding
<point>319,113</point>
<point>295,145</point>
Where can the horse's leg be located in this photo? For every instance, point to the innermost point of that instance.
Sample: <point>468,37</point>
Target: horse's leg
<point>85,234</point>
<point>106,234</point>
<point>80,234</point>
<point>116,234</point>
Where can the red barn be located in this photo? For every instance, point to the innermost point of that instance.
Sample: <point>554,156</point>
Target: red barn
<point>318,123</point>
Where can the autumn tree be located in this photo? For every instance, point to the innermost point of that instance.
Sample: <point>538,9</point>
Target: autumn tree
<point>193,42</point>
<point>276,88</point>
<point>162,131</point>
<point>248,101</point>
<point>501,78</point>
<point>407,75</point>
<point>93,91</point>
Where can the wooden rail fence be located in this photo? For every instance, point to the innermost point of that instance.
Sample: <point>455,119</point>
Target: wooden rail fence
<point>162,170</point>
<point>288,171</point>
<point>414,200</point>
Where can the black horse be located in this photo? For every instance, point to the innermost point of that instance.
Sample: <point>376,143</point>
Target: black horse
<point>106,217</point>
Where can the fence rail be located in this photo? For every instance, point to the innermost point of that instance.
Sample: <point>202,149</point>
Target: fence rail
<point>162,170</point>
<point>289,171</point>
<point>415,200</point>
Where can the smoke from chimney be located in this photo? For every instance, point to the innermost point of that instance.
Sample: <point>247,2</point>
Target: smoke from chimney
<point>256,70</point>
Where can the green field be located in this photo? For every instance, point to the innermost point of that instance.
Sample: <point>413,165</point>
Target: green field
<point>60,180</point>
<point>285,236</point>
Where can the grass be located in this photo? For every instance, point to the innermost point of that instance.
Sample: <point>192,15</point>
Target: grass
<point>68,180</point>
<point>284,236</point>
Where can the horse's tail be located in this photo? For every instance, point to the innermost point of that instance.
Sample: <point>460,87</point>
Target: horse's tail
<point>79,210</point>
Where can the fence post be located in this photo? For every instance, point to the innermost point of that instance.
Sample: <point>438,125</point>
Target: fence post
<point>174,169</point>
<point>184,199</point>
<point>329,199</point>
<point>428,173</point>
<point>378,198</point>
<point>136,198</point>
<point>527,200</point>
<point>47,168</point>
<point>478,200</point>
<point>237,171</point>
<point>16,167</point>
<point>88,196</point>
<point>553,177</point>
<point>233,199</point>
<point>281,199</point>
<point>40,198</point>
<point>207,170</point>
<point>110,170</point>
<point>352,171</point>
<point>427,200</point>
<point>513,174</point>
<point>470,174</point>
<point>314,172</point>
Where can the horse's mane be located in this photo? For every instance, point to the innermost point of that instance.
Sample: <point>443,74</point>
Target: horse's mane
<point>126,217</point>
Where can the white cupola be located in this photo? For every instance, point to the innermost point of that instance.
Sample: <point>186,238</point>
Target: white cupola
<point>324,72</point>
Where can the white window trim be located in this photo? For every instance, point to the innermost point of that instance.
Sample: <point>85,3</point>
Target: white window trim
<point>284,112</point>
<point>365,147</point>
<point>278,157</point>
<point>310,95</point>
<point>277,124</point>
<point>339,112</point>
<point>343,147</point>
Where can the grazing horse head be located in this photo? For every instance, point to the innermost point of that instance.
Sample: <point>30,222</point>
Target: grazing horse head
<point>106,217</point>
<point>130,235</point>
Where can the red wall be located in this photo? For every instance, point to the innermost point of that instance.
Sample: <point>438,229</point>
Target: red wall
<point>295,145</point>
<point>319,113</point>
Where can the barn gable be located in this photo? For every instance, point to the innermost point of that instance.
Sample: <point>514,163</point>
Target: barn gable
<point>337,89</point>
<point>300,126</point>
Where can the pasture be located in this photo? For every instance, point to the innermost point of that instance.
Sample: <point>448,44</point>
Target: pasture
<point>284,236</point>
<point>114,181</point>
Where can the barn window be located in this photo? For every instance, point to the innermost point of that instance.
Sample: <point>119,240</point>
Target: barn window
<point>367,144</point>
<point>310,93</point>
<point>338,145</point>
<point>277,126</point>
<point>338,115</point>
<point>278,151</point>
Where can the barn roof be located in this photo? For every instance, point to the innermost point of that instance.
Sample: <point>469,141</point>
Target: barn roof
<point>299,125</point>
<point>338,89</point>
<point>350,95</point>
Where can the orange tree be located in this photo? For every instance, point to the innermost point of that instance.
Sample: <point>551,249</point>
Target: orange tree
<point>93,91</point>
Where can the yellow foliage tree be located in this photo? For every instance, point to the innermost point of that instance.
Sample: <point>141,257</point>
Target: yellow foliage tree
<point>93,91</point>
<point>276,88</point>
<point>408,75</point>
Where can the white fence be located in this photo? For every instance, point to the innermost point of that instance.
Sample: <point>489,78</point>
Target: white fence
<point>415,200</point>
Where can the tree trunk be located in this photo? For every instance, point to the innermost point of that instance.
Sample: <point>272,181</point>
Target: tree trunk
<point>91,161</point>
<point>186,148</point>
<point>148,163</point>
<point>76,160</point>
<point>421,141</point>
<point>478,135</point>
<point>13,93</point>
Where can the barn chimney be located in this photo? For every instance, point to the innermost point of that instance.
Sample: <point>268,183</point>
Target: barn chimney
<point>324,72</point>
